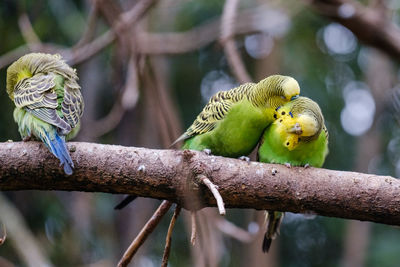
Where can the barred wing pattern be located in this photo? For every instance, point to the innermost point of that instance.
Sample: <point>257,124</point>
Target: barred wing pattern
<point>72,106</point>
<point>36,95</point>
<point>216,110</point>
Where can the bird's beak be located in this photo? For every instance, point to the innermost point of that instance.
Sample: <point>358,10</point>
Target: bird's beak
<point>296,129</point>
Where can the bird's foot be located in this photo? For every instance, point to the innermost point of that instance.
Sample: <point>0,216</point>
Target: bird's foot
<point>244,158</point>
<point>207,151</point>
<point>26,138</point>
<point>288,165</point>
<point>307,166</point>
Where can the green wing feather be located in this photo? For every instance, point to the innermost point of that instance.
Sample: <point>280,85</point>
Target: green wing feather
<point>216,110</point>
<point>49,91</point>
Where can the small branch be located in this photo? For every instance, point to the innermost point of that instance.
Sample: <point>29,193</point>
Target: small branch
<point>381,33</point>
<point>227,32</point>
<point>233,231</point>
<point>27,30</point>
<point>163,174</point>
<point>214,190</point>
<point>169,237</point>
<point>20,237</point>
<point>90,29</point>
<point>144,233</point>
<point>194,228</point>
<point>3,239</point>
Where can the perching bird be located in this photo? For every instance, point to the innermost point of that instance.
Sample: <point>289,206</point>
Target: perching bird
<point>298,137</point>
<point>48,102</point>
<point>232,121</point>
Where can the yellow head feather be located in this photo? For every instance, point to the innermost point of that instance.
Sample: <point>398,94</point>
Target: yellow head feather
<point>300,119</point>
<point>33,63</point>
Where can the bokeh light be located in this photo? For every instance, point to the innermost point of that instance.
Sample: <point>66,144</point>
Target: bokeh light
<point>358,113</point>
<point>259,45</point>
<point>339,40</point>
<point>215,81</point>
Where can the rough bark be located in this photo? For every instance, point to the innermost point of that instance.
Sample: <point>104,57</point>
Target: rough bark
<point>171,175</point>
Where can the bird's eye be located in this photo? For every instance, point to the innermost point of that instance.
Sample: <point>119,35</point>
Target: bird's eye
<point>294,97</point>
<point>287,143</point>
<point>291,114</point>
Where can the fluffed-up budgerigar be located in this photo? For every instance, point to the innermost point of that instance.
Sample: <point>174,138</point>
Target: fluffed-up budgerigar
<point>48,102</point>
<point>232,121</point>
<point>297,137</point>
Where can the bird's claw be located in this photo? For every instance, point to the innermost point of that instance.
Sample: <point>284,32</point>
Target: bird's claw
<point>244,158</point>
<point>207,151</point>
<point>307,166</point>
<point>288,165</point>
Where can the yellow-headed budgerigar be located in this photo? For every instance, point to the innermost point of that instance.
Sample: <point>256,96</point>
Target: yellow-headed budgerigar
<point>48,102</point>
<point>298,137</point>
<point>233,121</point>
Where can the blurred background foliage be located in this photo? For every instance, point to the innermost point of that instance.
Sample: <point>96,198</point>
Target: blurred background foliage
<point>354,84</point>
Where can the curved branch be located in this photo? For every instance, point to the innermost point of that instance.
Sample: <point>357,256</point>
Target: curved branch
<point>170,175</point>
<point>367,23</point>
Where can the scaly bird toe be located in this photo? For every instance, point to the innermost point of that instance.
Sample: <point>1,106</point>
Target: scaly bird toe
<point>207,151</point>
<point>244,158</point>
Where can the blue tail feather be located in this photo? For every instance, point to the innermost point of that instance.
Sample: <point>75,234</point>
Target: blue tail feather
<point>59,148</point>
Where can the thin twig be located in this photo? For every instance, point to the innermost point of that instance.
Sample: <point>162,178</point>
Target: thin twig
<point>168,239</point>
<point>90,29</point>
<point>194,228</point>
<point>234,231</point>
<point>124,22</point>
<point>227,31</point>
<point>214,190</point>
<point>27,30</point>
<point>3,239</point>
<point>25,244</point>
<point>130,94</point>
<point>144,233</point>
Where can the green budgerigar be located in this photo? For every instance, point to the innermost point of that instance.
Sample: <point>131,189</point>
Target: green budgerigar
<point>298,137</point>
<point>232,122</point>
<point>48,102</point>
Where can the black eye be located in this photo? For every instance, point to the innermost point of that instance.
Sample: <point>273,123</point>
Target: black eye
<point>274,116</point>
<point>283,113</point>
<point>287,143</point>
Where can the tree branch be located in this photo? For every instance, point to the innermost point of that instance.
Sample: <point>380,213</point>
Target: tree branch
<point>367,23</point>
<point>170,175</point>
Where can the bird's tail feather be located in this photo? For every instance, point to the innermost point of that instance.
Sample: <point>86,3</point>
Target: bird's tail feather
<point>273,220</point>
<point>59,148</point>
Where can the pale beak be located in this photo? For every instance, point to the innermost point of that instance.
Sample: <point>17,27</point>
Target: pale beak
<point>296,129</point>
